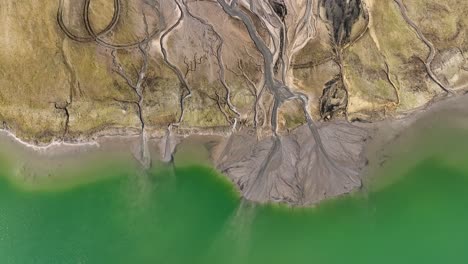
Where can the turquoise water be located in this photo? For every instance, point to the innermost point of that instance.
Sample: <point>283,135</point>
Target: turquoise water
<point>193,215</point>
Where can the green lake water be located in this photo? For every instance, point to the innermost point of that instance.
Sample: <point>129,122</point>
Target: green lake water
<point>192,214</point>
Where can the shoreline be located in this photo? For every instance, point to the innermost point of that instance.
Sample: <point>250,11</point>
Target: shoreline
<point>381,134</point>
<point>155,133</point>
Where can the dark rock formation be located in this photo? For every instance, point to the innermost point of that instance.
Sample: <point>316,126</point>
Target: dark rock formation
<point>342,14</point>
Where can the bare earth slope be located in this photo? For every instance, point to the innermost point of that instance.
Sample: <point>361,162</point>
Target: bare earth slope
<point>297,87</point>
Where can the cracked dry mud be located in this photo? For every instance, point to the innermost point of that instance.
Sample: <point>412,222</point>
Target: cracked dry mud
<point>295,88</point>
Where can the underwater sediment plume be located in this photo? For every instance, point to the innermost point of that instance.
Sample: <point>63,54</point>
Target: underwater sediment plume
<point>292,100</point>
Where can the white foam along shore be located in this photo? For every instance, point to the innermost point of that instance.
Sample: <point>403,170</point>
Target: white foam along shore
<point>95,141</point>
<point>48,146</point>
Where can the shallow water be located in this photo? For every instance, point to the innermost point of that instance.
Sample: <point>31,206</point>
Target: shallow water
<point>193,215</point>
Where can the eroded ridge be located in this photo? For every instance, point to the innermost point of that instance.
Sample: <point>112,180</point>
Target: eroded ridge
<point>432,49</point>
<point>142,47</point>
